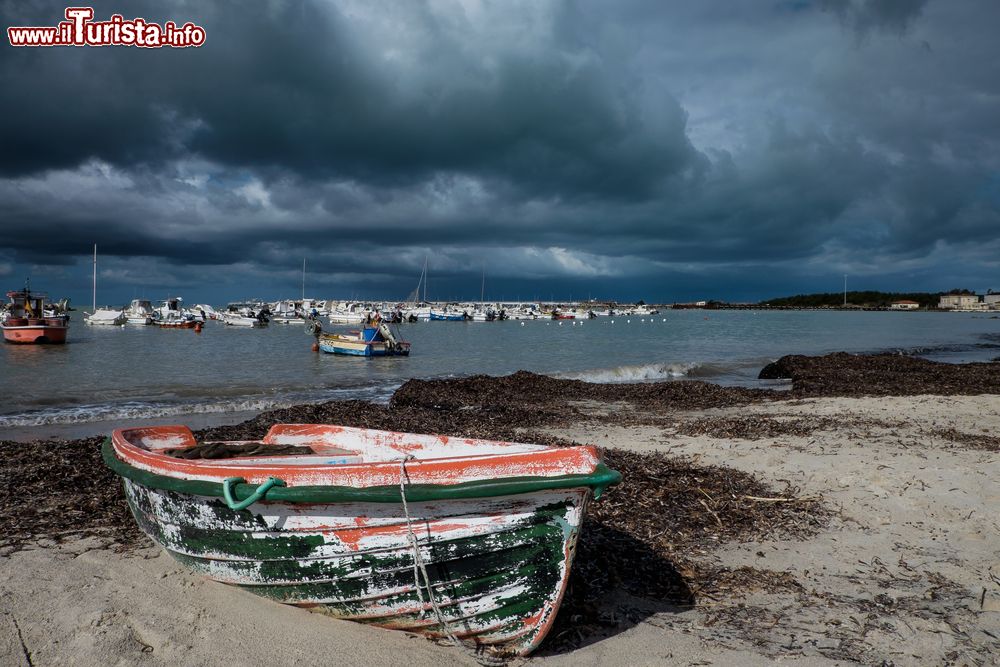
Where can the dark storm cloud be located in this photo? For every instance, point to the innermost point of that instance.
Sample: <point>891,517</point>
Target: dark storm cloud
<point>883,15</point>
<point>291,85</point>
<point>633,143</point>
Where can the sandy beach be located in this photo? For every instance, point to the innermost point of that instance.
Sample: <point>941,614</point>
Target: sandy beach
<point>849,520</point>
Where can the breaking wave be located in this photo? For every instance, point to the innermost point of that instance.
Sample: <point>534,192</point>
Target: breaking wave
<point>133,410</point>
<point>638,373</point>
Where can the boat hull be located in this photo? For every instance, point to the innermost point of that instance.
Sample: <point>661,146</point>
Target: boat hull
<point>498,566</point>
<point>361,349</point>
<point>350,345</point>
<point>39,334</point>
<point>242,321</point>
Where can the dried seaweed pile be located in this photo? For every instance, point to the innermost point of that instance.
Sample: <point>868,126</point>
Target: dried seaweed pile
<point>754,427</point>
<point>521,390</point>
<point>989,443</point>
<point>61,489</point>
<point>843,374</point>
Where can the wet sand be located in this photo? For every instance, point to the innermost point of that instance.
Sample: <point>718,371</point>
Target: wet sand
<point>750,528</point>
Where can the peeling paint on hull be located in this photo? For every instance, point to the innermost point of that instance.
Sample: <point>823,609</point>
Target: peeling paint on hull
<point>498,566</point>
<point>496,523</point>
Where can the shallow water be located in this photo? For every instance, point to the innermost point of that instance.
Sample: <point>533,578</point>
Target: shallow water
<point>142,372</point>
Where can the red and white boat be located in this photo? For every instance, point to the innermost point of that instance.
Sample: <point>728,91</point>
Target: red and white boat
<point>26,322</point>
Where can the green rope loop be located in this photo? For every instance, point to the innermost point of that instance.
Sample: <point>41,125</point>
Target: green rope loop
<point>227,491</point>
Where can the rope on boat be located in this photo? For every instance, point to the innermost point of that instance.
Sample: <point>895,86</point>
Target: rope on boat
<point>227,491</point>
<point>419,568</point>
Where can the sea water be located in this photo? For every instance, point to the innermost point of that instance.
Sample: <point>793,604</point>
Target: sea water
<point>114,373</point>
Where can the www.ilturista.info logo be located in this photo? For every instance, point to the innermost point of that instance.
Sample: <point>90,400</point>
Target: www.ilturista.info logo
<point>79,29</point>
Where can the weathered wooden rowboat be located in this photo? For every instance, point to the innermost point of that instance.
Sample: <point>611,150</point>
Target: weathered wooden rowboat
<point>469,539</point>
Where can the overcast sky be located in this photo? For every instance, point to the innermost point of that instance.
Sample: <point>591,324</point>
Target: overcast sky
<point>655,150</point>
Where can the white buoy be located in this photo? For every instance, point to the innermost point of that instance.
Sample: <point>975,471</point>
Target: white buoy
<point>612,321</point>
<point>628,321</point>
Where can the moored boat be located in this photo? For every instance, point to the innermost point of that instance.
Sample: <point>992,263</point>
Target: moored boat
<point>374,340</point>
<point>442,536</point>
<point>250,319</point>
<point>171,315</point>
<point>448,316</point>
<point>108,317</point>
<point>26,322</point>
<point>140,312</point>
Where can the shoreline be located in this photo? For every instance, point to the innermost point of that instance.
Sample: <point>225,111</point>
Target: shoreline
<point>835,374</point>
<point>83,430</point>
<point>750,526</point>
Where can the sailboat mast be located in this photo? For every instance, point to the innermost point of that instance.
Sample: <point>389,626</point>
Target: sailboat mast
<point>425,278</point>
<point>482,288</point>
<point>95,279</point>
<point>303,279</point>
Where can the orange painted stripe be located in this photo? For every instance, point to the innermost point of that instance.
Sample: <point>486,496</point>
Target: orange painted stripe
<point>548,462</point>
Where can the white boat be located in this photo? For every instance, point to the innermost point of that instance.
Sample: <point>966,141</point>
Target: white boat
<point>140,312</point>
<point>170,315</point>
<point>205,312</point>
<point>421,312</point>
<point>103,316</point>
<point>106,317</point>
<point>239,320</point>
<point>286,318</point>
<point>351,313</point>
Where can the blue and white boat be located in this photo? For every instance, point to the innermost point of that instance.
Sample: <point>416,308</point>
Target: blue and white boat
<point>448,316</point>
<point>375,340</point>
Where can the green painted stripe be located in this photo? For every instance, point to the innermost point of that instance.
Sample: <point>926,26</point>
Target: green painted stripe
<point>238,545</point>
<point>600,479</point>
<point>463,557</point>
<point>238,542</point>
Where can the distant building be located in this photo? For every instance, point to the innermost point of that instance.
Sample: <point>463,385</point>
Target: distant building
<point>992,301</point>
<point>959,301</point>
<point>905,304</point>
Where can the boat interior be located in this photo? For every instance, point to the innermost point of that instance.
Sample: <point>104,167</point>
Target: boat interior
<point>312,444</point>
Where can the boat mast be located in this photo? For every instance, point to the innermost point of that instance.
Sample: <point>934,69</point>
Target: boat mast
<point>425,278</point>
<point>95,279</point>
<point>303,280</point>
<point>482,288</point>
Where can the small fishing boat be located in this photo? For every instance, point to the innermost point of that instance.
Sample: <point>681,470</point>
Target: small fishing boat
<point>374,340</point>
<point>447,537</point>
<point>171,315</point>
<point>448,316</point>
<point>26,322</point>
